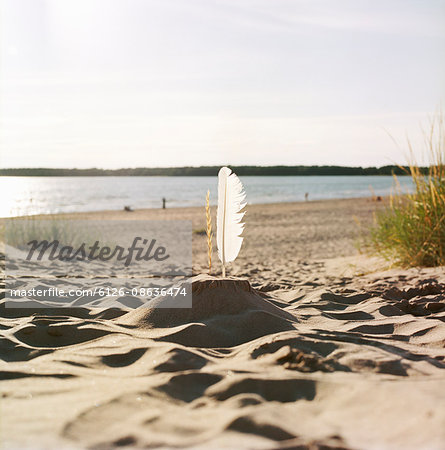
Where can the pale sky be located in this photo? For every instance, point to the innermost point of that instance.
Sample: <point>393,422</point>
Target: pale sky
<point>130,83</point>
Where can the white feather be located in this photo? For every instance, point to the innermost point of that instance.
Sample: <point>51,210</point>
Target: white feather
<point>231,200</point>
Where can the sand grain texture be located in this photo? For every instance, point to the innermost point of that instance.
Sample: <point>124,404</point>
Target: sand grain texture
<point>292,351</point>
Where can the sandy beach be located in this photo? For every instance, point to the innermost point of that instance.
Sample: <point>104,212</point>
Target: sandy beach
<point>306,344</point>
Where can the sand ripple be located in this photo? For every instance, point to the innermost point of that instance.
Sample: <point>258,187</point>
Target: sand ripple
<point>358,365</point>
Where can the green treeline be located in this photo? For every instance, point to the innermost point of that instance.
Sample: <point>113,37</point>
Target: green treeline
<point>209,171</point>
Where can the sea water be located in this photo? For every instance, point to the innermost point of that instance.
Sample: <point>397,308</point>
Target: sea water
<point>45,195</point>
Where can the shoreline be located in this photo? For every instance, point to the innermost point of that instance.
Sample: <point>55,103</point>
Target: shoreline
<point>371,199</point>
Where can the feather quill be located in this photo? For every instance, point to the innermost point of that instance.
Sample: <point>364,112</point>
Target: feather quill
<point>231,200</point>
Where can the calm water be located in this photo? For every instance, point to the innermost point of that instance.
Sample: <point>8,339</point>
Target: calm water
<point>35,195</point>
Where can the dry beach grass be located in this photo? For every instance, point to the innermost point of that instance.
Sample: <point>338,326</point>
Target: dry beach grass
<point>306,345</point>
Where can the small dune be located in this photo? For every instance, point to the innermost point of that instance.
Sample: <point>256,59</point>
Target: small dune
<point>225,313</point>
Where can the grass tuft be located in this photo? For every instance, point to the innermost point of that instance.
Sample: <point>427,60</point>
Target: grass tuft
<point>411,230</point>
<point>209,231</point>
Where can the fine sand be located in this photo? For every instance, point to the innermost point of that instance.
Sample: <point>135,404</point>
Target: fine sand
<point>307,344</point>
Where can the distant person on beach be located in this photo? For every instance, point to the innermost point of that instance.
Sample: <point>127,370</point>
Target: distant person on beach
<point>163,202</point>
<point>306,196</point>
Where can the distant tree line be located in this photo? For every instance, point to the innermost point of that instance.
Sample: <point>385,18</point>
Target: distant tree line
<point>209,171</point>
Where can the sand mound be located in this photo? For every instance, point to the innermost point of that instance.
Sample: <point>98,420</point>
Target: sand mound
<point>226,312</point>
